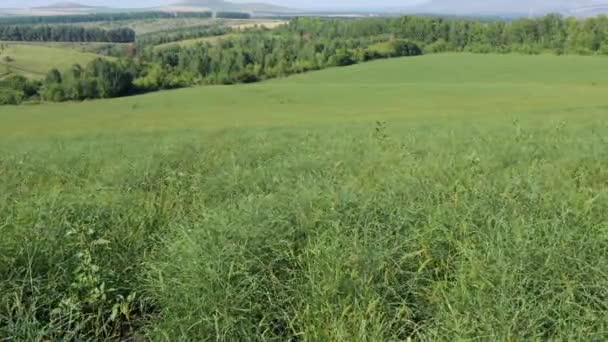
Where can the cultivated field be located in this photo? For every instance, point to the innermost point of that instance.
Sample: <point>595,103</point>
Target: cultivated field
<point>443,197</point>
<point>235,24</point>
<point>146,26</point>
<point>35,60</point>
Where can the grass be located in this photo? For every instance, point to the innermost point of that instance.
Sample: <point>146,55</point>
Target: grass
<point>83,47</point>
<point>34,61</point>
<point>446,197</point>
<point>450,87</point>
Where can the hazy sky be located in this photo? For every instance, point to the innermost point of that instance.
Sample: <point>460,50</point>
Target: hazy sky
<point>445,6</point>
<point>289,3</point>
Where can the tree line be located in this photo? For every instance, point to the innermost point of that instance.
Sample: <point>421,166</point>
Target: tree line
<point>551,33</point>
<point>251,57</point>
<point>311,43</point>
<point>182,33</point>
<point>261,54</point>
<point>233,15</point>
<point>100,78</point>
<point>63,33</point>
<point>96,17</point>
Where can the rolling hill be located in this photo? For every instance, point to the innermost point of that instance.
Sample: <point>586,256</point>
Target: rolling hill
<point>66,5</point>
<point>446,197</point>
<point>24,58</point>
<point>516,7</point>
<point>397,89</point>
<point>221,5</point>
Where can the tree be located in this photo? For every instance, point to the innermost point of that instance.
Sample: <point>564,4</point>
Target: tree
<point>53,77</point>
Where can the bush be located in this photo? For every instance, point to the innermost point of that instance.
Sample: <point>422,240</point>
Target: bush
<point>21,84</point>
<point>342,58</point>
<point>53,92</point>
<point>247,76</point>
<point>402,48</point>
<point>479,48</point>
<point>603,50</point>
<point>439,47</point>
<point>11,96</point>
<point>527,49</point>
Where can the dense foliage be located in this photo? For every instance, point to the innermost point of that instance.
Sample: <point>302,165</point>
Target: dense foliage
<point>99,79</point>
<point>15,88</point>
<point>233,15</point>
<point>260,55</point>
<point>63,33</point>
<point>529,35</point>
<point>97,17</point>
<point>182,33</point>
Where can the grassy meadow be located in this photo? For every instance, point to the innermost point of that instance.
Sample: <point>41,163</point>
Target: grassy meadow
<point>35,60</point>
<point>443,197</point>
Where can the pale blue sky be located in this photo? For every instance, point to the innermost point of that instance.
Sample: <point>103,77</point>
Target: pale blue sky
<point>444,6</point>
<point>151,3</point>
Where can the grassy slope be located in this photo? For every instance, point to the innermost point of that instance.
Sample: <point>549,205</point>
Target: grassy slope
<point>35,61</point>
<point>452,86</point>
<point>281,210</point>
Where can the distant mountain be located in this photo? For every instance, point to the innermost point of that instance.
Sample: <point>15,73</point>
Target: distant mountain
<point>589,11</point>
<point>502,7</point>
<point>221,5</point>
<point>66,5</point>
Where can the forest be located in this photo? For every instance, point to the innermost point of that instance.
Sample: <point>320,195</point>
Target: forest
<point>181,33</point>
<point>551,33</point>
<point>233,15</point>
<point>99,17</point>
<point>314,43</point>
<point>64,33</point>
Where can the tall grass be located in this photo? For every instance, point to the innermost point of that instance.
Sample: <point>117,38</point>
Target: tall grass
<point>429,230</point>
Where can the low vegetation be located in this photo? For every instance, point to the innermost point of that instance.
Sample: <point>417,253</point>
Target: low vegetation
<point>36,60</point>
<point>442,197</point>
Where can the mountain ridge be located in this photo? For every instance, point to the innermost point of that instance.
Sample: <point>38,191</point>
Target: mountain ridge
<point>221,5</point>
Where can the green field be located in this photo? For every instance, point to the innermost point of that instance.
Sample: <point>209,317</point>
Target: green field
<point>145,26</point>
<point>443,197</point>
<point>35,60</point>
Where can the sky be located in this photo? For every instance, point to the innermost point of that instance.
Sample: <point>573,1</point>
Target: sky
<point>288,3</point>
<point>444,6</point>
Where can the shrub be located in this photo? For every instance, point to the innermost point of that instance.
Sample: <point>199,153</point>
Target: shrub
<point>342,58</point>
<point>402,48</point>
<point>53,92</point>
<point>11,96</point>
<point>439,46</point>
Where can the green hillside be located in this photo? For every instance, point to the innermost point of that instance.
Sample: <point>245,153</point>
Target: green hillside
<point>437,86</point>
<point>33,60</point>
<point>437,198</point>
